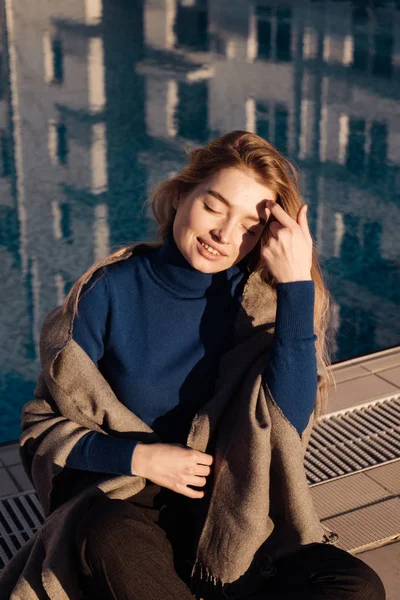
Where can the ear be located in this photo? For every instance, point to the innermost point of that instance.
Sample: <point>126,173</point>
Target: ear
<point>175,202</point>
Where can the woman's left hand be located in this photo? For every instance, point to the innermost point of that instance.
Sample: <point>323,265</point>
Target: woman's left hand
<point>288,250</point>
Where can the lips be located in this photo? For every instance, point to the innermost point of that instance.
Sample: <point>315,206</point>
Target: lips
<point>212,246</point>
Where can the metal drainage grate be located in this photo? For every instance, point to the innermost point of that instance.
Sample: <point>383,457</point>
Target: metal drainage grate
<point>353,440</point>
<point>20,517</point>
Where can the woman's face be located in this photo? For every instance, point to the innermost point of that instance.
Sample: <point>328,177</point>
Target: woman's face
<point>228,213</point>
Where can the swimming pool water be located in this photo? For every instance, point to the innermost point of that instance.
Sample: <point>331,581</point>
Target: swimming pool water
<point>100,98</point>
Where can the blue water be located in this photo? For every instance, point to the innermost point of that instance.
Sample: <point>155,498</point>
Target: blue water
<point>100,99</point>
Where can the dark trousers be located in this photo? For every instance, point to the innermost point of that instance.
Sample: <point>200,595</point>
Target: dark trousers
<point>137,549</point>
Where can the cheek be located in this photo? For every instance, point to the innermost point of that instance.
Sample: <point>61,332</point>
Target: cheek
<point>249,243</point>
<point>198,220</point>
<point>186,218</point>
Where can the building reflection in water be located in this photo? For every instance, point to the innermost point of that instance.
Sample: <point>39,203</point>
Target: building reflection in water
<point>99,98</point>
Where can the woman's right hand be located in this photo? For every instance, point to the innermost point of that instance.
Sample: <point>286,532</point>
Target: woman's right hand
<point>173,466</point>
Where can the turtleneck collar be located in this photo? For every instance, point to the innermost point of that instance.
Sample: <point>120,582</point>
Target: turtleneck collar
<point>178,275</point>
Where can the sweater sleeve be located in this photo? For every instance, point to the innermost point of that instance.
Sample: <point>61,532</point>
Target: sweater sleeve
<point>96,451</point>
<point>90,324</point>
<point>291,374</point>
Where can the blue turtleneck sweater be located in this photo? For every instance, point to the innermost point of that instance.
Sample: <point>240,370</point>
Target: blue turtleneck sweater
<point>156,328</point>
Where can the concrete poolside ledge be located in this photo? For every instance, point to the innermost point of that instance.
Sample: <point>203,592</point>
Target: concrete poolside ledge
<point>359,381</point>
<point>13,478</point>
<point>377,361</point>
<point>364,379</point>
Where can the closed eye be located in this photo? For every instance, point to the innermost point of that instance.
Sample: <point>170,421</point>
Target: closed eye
<point>209,208</point>
<point>251,232</point>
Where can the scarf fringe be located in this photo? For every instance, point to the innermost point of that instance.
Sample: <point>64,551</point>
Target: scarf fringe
<point>203,584</point>
<point>330,538</point>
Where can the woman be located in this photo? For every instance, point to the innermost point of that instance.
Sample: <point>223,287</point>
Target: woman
<point>157,326</point>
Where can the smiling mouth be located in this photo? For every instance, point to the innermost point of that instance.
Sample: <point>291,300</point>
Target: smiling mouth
<point>210,248</point>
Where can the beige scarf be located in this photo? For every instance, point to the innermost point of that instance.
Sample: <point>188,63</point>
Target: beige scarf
<point>260,506</point>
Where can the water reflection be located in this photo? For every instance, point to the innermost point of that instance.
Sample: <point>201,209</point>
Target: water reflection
<point>98,99</point>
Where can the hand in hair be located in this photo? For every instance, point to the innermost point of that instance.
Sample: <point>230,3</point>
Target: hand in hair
<point>288,249</point>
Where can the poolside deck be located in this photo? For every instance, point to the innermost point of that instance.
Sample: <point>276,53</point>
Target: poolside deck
<point>359,382</point>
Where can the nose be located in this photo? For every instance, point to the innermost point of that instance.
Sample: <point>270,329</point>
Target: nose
<point>223,233</point>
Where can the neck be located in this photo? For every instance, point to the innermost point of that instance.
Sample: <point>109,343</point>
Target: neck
<point>177,273</point>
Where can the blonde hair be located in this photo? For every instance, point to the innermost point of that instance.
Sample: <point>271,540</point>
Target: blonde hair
<point>250,153</point>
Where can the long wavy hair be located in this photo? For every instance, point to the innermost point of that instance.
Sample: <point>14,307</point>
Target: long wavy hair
<point>251,153</point>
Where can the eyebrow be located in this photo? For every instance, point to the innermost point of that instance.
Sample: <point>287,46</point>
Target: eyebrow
<point>218,196</point>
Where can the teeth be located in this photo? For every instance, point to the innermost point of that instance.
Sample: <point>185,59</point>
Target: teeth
<point>212,250</point>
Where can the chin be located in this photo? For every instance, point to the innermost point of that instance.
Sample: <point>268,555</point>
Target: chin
<point>211,268</point>
<point>205,266</point>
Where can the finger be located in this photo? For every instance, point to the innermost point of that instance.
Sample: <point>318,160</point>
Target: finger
<point>274,227</point>
<point>302,220</point>
<point>204,459</point>
<point>192,493</point>
<point>195,480</point>
<point>202,470</point>
<point>280,215</point>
